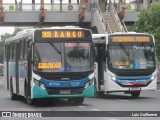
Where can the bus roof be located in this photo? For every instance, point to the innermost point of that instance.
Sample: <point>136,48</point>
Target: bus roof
<point>27,32</point>
<point>129,33</point>
<point>99,38</point>
<point>94,36</point>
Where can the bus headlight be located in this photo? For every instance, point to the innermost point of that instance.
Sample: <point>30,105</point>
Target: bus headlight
<point>39,84</point>
<point>112,77</point>
<point>89,83</point>
<point>36,82</point>
<point>153,77</point>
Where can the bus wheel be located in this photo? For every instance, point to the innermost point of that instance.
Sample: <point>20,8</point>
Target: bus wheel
<point>13,95</point>
<point>135,94</point>
<point>78,100</point>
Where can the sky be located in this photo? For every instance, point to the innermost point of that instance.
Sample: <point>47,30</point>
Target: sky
<point>4,30</point>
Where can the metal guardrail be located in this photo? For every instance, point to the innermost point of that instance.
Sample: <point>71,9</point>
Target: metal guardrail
<point>106,24</point>
<point>120,25</point>
<point>124,26</point>
<point>11,7</point>
<point>134,7</point>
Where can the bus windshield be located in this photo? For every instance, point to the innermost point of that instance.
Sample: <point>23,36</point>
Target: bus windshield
<point>137,56</point>
<point>63,57</point>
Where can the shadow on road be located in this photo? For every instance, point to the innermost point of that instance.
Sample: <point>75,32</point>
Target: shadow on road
<point>56,103</point>
<point>123,97</point>
<point>53,102</point>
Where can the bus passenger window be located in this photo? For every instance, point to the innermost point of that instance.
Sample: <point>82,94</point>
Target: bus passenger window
<point>6,54</point>
<point>22,49</point>
<point>11,51</point>
<point>14,50</point>
<point>25,49</point>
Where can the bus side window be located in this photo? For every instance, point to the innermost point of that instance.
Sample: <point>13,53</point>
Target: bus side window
<point>22,49</point>
<point>6,52</point>
<point>11,51</point>
<point>14,51</point>
<point>18,48</point>
<point>25,50</point>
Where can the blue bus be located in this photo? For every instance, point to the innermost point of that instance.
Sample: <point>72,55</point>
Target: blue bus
<point>54,62</point>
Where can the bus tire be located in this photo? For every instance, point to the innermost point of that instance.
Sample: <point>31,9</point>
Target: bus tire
<point>135,94</point>
<point>78,100</point>
<point>13,95</point>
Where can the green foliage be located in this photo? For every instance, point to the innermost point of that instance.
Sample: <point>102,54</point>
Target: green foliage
<point>149,22</point>
<point>1,51</point>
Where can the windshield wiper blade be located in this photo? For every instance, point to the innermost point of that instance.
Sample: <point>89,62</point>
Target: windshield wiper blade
<point>59,52</point>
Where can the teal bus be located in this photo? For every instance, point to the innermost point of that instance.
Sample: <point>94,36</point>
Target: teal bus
<point>56,62</point>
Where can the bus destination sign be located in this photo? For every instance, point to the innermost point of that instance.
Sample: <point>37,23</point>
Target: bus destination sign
<point>130,39</point>
<point>62,34</point>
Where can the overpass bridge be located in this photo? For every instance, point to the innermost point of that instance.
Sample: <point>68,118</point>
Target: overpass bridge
<point>66,12</point>
<point>83,13</point>
<point>55,14</point>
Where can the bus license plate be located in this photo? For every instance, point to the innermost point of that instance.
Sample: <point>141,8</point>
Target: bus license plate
<point>64,92</point>
<point>135,88</point>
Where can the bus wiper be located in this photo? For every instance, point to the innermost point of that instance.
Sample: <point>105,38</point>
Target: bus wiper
<point>59,52</point>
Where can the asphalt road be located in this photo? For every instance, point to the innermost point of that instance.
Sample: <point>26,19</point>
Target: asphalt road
<point>148,101</point>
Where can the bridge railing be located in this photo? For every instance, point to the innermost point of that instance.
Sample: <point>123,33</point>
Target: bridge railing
<point>49,7</point>
<point>120,24</point>
<point>105,23</point>
<point>134,7</point>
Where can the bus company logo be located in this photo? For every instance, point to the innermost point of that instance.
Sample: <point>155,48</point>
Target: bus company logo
<point>54,84</point>
<point>6,114</point>
<point>50,84</point>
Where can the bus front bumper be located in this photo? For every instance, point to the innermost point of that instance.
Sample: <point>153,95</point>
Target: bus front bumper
<point>38,92</point>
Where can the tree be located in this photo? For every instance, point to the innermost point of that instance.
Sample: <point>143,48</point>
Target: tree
<point>3,37</point>
<point>149,22</point>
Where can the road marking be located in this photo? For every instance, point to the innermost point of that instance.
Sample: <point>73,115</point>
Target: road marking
<point>81,106</point>
<point>94,109</point>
